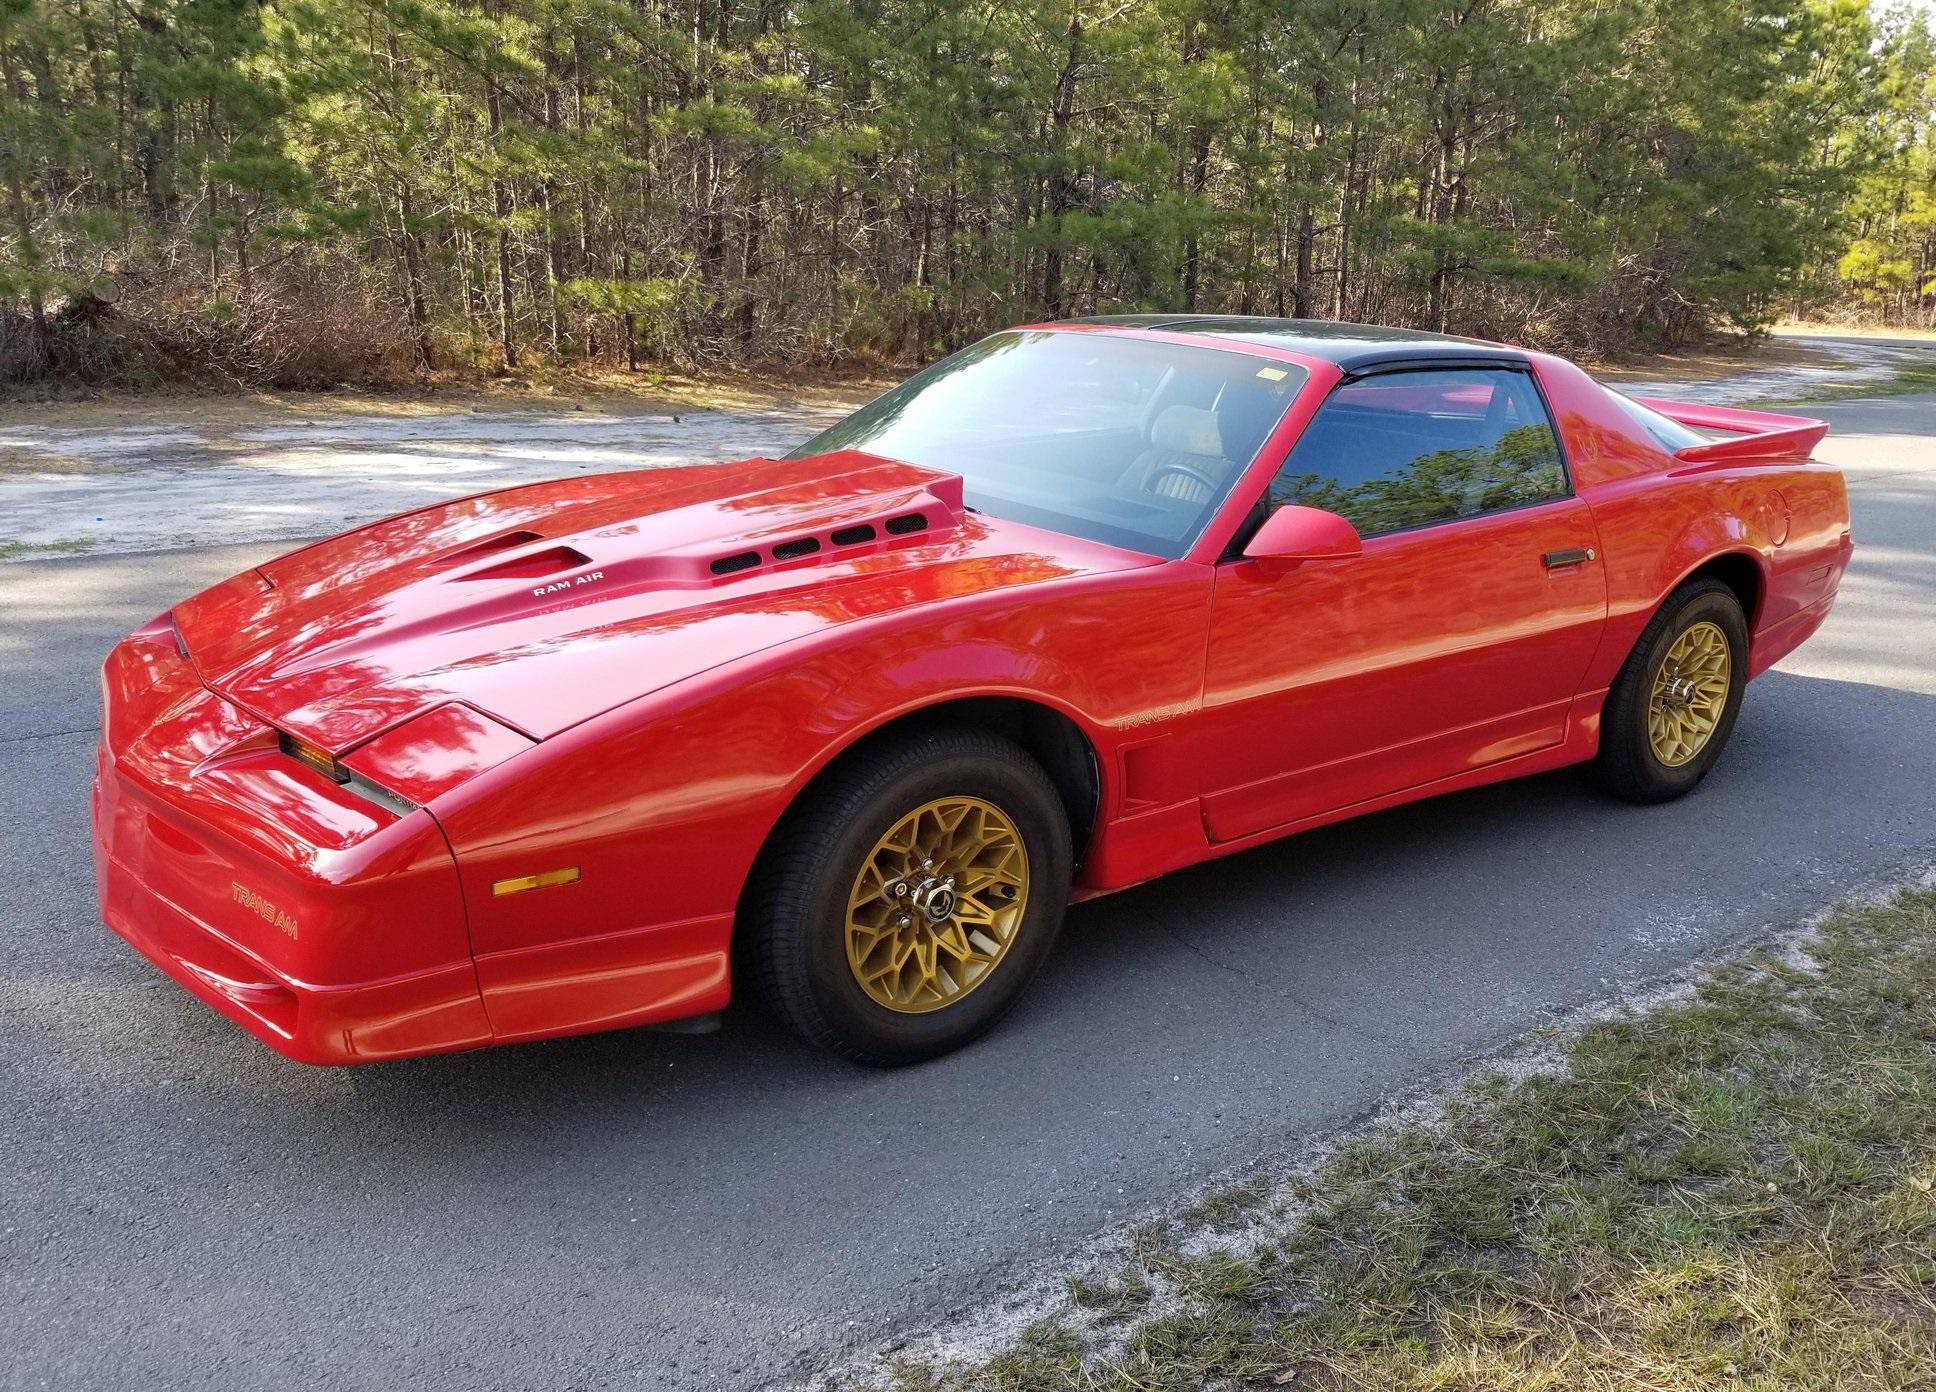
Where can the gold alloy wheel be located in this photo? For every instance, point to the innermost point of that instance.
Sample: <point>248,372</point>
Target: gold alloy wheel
<point>936,904</point>
<point>1690,692</point>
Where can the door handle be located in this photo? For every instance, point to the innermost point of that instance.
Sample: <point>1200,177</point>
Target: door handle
<point>1573,555</point>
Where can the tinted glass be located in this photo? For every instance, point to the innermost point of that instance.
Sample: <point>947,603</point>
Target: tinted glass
<point>1114,439</point>
<point>1407,449</point>
<point>1671,434</point>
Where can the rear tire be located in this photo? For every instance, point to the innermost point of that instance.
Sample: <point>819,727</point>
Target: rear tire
<point>1673,705</point>
<point>866,872</point>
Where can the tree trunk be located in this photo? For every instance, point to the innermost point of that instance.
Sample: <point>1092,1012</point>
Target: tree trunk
<point>413,281</point>
<point>1060,193</point>
<point>555,270</point>
<point>1301,290</point>
<point>1192,246</point>
<point>501,208</point>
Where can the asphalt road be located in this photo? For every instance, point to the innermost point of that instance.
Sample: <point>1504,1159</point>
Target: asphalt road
<point>182,1208</point>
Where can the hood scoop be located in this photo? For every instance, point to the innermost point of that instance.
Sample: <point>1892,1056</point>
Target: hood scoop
<point>870,505</point>
<point>490,546</point>
<point>553,560</point>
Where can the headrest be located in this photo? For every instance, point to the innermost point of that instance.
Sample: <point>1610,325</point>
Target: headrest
<point>1187,430</point>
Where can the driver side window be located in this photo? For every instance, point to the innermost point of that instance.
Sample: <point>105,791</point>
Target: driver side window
<point>1409,449</point>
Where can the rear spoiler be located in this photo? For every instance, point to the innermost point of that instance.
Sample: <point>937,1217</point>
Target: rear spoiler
<point>1752,434</point>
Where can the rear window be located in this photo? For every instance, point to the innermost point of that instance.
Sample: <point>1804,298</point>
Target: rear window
<point>1670,434</point>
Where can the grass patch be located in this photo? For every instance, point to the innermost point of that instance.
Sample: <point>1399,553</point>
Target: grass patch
<point>1111,1299</point>
<point>10,549</point>
<point>1225,1208</point>
<point>1735,1190</point>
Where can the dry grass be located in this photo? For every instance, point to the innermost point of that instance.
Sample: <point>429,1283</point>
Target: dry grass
<point>1712,362</point>
<point>1851,329</point>
<point>606,390</point>
<point>321,334</point>
<point>1732,1190</point>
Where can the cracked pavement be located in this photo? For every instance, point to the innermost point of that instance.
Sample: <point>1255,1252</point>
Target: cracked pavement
<point>182,1208</point>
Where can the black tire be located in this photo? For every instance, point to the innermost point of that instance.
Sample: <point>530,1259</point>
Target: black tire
<point>792,923</point>
<point>1627,765</point>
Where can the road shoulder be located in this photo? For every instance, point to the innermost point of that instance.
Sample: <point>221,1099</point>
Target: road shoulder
<point>1730,1175</point>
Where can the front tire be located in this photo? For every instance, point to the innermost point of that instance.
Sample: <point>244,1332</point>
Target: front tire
<point>910,896</point>
<point>1672,707</point>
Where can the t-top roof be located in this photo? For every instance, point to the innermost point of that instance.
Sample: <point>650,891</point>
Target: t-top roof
<point>1350,346</point>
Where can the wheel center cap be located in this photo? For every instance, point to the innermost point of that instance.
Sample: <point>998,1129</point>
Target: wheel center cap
<point>1680,691</point>
<point>935,899</point>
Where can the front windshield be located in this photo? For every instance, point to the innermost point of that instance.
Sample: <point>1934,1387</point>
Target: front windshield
<point>1120,440</point>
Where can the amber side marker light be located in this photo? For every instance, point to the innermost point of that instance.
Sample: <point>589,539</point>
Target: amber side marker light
<point>568,875</point>
<point>302,751</point>
<point>319,759</point>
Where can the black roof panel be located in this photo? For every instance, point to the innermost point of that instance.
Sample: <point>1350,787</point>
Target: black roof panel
<point>1350,346</point>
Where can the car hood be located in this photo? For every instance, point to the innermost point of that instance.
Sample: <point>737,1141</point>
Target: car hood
<point>545,605</point>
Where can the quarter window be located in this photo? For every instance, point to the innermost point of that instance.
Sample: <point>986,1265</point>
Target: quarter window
<point>1408,449</point>
<point>1671,434</point>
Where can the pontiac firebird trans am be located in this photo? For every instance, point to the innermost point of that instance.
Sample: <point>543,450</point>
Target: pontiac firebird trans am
<point>1081,604</point>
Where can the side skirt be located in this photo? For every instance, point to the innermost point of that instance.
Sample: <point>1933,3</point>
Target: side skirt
<point>1173,837</point>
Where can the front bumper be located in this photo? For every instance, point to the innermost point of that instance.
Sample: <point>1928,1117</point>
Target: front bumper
<point>329,928</point>
<point>430,1012</point>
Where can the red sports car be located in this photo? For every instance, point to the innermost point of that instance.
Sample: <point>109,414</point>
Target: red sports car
<point>1081,604</point>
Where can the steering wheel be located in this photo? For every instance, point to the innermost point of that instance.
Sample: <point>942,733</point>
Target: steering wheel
<point>1189,471</point>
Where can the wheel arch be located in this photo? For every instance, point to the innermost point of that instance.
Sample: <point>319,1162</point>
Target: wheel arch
<point>1047,733</point>
<point>1741,569</point>
<point>1744,572</point>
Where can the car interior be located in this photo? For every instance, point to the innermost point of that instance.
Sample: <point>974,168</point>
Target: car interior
<point>1192,436</point>
<point>1128,443</point>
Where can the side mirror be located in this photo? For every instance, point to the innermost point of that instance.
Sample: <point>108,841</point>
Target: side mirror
<point>1293,534</point>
